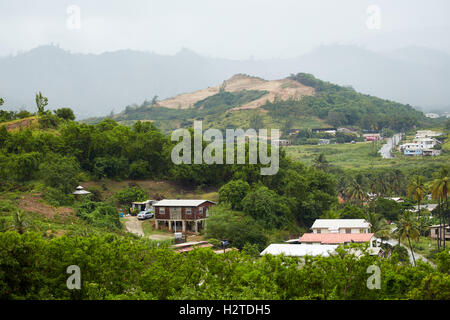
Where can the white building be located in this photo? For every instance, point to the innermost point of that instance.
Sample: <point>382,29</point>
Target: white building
<point>425,143</point>
<point>432,115</point>
<point>427,134</point>
<point>299,250</point>
<point>341,226</point>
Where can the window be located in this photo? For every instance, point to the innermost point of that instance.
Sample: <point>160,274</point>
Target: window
<point>162,210</point>
<point>436,231</point>
<point>347,230</point>
<point>200,209</point>
<point>188,211</point>
<point>319,231</point>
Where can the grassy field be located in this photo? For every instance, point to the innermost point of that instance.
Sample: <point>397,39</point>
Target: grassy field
<point>357,156</point>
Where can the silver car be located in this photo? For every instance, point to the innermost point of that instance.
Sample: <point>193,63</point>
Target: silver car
<point>143,215</point>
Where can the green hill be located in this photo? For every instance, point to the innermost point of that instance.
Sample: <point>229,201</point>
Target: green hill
<point>330,105</point>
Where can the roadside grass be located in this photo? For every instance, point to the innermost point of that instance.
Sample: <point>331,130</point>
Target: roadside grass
<point>426,247</point>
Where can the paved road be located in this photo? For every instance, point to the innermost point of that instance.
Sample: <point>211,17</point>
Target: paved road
<point>394,242</point>
<point>386,149</point>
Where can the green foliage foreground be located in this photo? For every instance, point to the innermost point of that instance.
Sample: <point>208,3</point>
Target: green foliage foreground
<point>118,268</point>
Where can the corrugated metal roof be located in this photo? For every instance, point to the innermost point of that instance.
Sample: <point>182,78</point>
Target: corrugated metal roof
<point>179,203</point>
<point>299,250</point>
<point>340,223</point>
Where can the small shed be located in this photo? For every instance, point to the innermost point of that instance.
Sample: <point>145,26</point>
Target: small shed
<point>80,191</point>
<point>143,205</point>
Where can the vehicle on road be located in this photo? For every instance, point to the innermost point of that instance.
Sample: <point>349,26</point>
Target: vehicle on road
<point>143,215</point>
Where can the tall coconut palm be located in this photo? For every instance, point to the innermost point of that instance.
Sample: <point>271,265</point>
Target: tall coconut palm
<point>396,182</point>
<point>382,185</point>
<point>408,228</point>
<point>321,163</point>
<point>439,192</point>
<point>355,191</point>
<point>417,190</point>
<point>379,226</point>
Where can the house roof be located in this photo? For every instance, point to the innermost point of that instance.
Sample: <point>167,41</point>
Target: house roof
<point>334,238</point>
<point>179,203</point>
<point>340,223</point>
<point>299,250</point>
<point>142,202</point>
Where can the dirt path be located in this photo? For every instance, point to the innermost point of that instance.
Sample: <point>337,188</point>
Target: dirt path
<point>134,225</point>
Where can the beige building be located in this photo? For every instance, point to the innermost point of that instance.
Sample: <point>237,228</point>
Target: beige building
<point>434,232</point>
<point>340,226</point>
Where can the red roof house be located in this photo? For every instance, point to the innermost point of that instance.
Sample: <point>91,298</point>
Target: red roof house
<point>336,238</point>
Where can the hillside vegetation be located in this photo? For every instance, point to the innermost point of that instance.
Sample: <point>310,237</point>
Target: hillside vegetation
<point>300,101</point>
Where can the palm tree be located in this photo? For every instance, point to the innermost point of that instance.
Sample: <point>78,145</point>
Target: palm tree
<point>19,223</point>
<point>408,227</point>
<point>382,185</point>
<point>330,214</point>
<point>321,163</point>
<point>355,191</point>
<point>396,182</point>
<point>379,226</point>
<point>417,190</point>
<point>440,191</point>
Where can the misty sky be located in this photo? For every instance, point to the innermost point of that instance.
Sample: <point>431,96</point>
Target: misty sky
<point>235,29</point>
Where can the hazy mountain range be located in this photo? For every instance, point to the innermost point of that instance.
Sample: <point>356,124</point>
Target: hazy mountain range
<point>94,85</point>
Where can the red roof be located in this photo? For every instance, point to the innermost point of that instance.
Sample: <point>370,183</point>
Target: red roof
<point>335,238</point>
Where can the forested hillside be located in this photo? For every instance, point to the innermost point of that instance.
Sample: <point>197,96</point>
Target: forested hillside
<point>330,105</point>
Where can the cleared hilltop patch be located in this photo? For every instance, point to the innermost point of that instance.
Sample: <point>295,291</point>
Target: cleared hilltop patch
<point>19,123</point>
<point>283,89</point>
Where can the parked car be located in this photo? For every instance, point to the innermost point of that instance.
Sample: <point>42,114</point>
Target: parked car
<point>143,215</point>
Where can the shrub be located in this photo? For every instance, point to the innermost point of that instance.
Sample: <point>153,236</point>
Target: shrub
<point>130,194</point>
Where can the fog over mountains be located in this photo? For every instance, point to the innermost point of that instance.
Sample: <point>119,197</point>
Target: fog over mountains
<point>94,85</point>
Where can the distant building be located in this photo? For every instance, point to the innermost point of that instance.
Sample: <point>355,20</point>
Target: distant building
<point>325,130</point>
<point>143,205</point>
<point>80,191</point>
<point>347,130</point>
<point>343,226</point>
<point>425,143</point>
<point>396,199</point>
<point>427,134</point>
<point>432,115</point>
<point>299,250</point>
<point>438,231</point>
<point>430,207</point>
<point>372,136</point>
<point>338,238</point>
<point>431,152</point>
<point>282,142</point>
<point>324,141</point>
